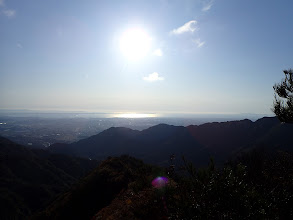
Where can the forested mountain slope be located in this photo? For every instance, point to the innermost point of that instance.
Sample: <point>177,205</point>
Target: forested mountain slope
<point>198,143</point>
<point>30,179</point>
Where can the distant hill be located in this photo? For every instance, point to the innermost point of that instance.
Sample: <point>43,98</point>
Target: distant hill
<point>154,145</point>
<point>198,143</point>
<point>30,179</point>
<point>224,139</point>
<point>38,184</point>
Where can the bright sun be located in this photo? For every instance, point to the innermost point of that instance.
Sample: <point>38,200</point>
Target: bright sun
<point>135,44</point>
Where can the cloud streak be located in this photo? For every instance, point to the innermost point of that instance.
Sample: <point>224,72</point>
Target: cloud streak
<point>5,11</point>
<point>153,77</point>
<point>198,42</point>
<point>19,45</point>
<point>190,27</point>
<point>9,13</point>
<point>207,5</point>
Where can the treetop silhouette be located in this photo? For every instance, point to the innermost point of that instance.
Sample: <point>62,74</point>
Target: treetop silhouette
<point>283,104</point>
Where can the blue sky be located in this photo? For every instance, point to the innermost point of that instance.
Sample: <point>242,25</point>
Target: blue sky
<point>205,56</point>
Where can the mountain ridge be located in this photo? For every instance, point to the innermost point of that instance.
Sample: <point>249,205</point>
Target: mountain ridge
<point>198,142</point>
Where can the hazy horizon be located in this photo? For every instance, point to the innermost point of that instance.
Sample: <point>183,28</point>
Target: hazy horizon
<point>42,128</point>
<point>129,115</point>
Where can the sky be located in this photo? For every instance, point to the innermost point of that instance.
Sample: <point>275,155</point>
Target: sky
<point>152,56</point>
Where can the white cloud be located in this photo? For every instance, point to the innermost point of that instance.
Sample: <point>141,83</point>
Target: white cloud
<point>158,52</point>
<point>198,42</point>
<point>9,13</point>
<point>153,77</point>
<point>207,5</point>
<point>190,26</point>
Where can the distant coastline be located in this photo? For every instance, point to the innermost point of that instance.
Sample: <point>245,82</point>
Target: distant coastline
<point>211,117</point>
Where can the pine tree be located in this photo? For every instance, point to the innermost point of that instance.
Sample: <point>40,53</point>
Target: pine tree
<point>283,104</point>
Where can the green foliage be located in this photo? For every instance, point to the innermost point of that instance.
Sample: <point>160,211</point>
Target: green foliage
<point>258,185</point>
<point>235,192</point>
<point>99,188</point>
<point>283,104</point>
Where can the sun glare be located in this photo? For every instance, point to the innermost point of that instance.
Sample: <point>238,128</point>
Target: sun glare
<point>135,44</point>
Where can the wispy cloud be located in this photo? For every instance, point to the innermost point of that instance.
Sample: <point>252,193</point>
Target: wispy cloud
<point>153,77</point>
<point>158,52</point>
<point>190,26</point>
<point>19,45</point>
<point>5,11</point>
<point>207,5</point>
<point>9,13</point>
<point>198,42</point>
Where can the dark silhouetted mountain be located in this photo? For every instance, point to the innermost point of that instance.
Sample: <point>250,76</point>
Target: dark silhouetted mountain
<point>198,143</point>
<point>160,132</point>
<point>30,179</point>
<point>153,145</point>
<point>226,138</point>
<point>98,189</point>
<point>120,188</point>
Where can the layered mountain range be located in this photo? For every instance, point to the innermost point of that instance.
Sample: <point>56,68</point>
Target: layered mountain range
<point>221,140</point>
<point>46,185</point>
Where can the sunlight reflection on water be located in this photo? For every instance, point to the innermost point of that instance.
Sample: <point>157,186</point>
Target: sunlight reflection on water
<point>134,115</point>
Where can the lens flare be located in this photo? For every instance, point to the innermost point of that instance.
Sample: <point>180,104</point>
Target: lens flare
<point>160,182</point>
